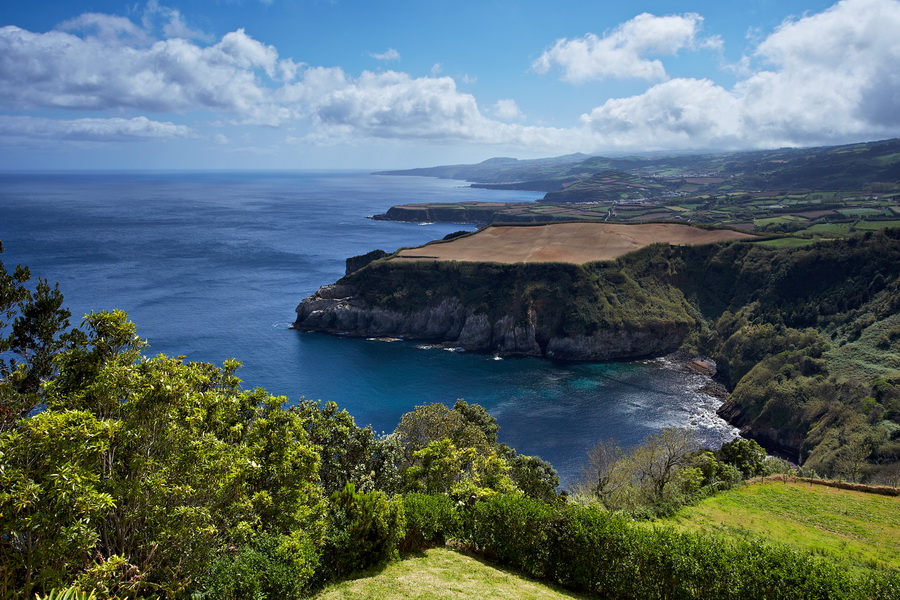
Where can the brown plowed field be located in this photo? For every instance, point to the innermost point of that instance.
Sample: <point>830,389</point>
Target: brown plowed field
<point>564,242</point>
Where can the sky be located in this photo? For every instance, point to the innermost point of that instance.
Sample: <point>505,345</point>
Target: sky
<point>374,84</point>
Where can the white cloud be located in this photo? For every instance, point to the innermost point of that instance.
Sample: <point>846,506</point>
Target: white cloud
<point>831,77</point>
<point>91,130</point>
<point>507,110</point>
<point>389,54</point>
<point>61,70</point>
<point>175,25</point>
<point>108,29</point>
<point>676,114</point>
<point>828,77</point>
<point>436,69</point>
<point>624,52</point>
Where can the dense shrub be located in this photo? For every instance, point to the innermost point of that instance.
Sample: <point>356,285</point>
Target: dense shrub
<point>364,530</point>
<point>595,551</point>
<point>510,529</point>
<point>270,568</point>
<point>430,520</point>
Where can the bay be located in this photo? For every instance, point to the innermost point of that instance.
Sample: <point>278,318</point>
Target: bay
<point>211,265</point>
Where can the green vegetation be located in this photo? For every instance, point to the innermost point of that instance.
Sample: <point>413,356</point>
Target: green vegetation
<point>125,476</point>
<point>440,574</point>
<point>814,191</point>
<point>666,471</point>
<point>849,527</point>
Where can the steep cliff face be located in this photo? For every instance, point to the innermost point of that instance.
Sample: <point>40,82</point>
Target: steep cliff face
<point>509,309</point>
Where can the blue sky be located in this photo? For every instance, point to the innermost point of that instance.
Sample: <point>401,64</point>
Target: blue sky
<point>310,84</point>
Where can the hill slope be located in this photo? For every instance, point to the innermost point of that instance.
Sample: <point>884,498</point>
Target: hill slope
<point>442,574</point>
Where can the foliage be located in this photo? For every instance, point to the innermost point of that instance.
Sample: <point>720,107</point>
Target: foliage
<point>348,453</point>
<point>747,456</point>
<point>364,530</point>
<point>656,477</point>
<point>430,520</point>
<point>535,477</point>
<point>139,472</point>
<point>72,593</point>
<point>592,550</point>
<point>34,326</point>
<point>270,566</point>
<point>456,452</point>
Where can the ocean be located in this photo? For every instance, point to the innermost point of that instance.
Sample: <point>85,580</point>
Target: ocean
<point>212,264</point>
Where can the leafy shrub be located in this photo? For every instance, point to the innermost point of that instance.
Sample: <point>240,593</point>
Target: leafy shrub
<point>364,530</point>
<point>430,520</point>
<point>510,529</point>
<point>599,552</point>
<point>272,567</point>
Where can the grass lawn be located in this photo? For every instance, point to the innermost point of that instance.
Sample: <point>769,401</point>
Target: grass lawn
<point>859,529</point>
<point>439,574</point>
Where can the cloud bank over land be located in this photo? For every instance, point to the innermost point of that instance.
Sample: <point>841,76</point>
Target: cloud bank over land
<point>829,77</point>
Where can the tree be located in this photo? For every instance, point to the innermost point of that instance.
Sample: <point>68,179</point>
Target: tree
<point>747,456</point>
<point>34,327</point>
<point>165,465</point>
<point>433,422</point>
<point>604,475</point>
<point>535,477</point>
<point>656,461</point>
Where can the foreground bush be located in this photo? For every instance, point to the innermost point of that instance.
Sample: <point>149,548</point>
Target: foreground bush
<point>364,530</point>
<point>430,521</point>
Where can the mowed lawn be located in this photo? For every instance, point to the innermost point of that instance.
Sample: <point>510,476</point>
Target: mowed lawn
<point>438,574</point>
<point>860,528</point>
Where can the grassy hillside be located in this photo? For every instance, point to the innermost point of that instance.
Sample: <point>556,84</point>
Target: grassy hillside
<point>857,528</point>
<point>441,573</point>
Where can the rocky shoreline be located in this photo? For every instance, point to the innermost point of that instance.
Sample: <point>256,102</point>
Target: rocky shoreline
<point>338,309</point>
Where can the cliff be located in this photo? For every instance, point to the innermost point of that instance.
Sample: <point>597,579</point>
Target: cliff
<point>807,339</point>
<point>553,310</point>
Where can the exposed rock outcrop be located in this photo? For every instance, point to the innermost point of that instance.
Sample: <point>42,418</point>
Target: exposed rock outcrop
<point>337,308</point>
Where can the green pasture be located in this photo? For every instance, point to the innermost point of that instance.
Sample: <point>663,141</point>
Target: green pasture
<point>857,528</point>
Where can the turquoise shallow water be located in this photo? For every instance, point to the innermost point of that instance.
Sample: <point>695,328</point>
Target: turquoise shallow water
<point>211,265</point>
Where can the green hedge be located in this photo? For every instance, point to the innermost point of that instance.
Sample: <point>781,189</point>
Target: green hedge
<point>430,521</point>
<point>591,550</point>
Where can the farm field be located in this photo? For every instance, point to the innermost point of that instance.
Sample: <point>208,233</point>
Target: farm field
<point>857,528</point>
<point>564,242</point>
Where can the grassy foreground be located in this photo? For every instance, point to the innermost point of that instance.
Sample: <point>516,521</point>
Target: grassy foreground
<point>441,573</point>
<point>857,528</point>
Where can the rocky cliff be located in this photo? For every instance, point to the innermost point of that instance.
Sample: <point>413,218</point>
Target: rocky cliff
<point>552,311</point>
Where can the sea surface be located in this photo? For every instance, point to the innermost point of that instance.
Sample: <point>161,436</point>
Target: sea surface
<point>212,264</point>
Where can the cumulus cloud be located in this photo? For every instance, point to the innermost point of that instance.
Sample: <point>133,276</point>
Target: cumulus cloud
<point>826,78</point>
<point>507,110</point>
<point>624,52</point>
<point>386,104</point>
<point>389,54</point>
<point>61,70</point>
<point>91,130</point>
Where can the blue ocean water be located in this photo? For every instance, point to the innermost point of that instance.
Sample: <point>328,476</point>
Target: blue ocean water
<point>211,265</point>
